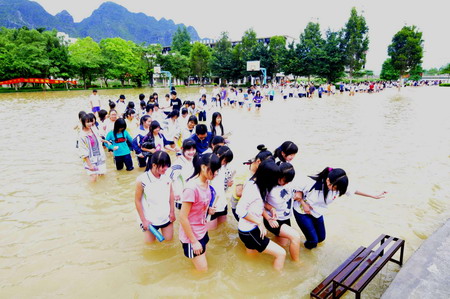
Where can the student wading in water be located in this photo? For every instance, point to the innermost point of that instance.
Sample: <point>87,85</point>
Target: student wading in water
<point>317,192</point>
<point>194,210</point>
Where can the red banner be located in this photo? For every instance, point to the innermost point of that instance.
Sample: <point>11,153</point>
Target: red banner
<point>36,80</point>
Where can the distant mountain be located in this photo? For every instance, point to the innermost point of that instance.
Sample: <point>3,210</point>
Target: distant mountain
<point>109,20</point>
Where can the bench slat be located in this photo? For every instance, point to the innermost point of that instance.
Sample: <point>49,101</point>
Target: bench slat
<point>367,277</point>
<point>365,265</point>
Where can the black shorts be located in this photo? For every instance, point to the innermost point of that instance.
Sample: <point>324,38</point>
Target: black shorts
<point>189,252</point>
<point>276,231</point>
<point>218,214</point>
<point>253,240</point>
<point>156,226</point>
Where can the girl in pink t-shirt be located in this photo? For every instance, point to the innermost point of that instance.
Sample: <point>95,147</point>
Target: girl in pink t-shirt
<point>196,199</point>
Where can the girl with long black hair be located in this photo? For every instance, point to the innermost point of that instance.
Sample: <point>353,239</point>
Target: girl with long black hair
<point>154,198</point>
<point>118,140</point>
<point>250,208</point>
<point>194,210</point>
<point>316,194</point>
<point>285,152</point>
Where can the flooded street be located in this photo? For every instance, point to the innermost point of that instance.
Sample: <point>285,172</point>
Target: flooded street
<point>62,236</point>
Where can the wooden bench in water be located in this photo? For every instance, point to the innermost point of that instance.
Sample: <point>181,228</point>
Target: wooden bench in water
<point>360,268</point>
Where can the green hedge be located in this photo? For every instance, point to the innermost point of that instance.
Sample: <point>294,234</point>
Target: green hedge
<point>445,84</point>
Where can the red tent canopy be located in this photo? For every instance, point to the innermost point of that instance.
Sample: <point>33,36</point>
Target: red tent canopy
<point>36,80</point>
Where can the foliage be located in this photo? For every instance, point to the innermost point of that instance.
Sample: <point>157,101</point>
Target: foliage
<point>181,41</point>
<point>23,53</point>
<point>333,58</point>
<point>121,58</point>
<point>222,58</point>
<point>445,69</point>
<point>199,59</point>
<point>388,72</point>
<point>277,51</point>
<point>356,41</point>
<point>406,49</point>
<point>311,50</point>
<point>416,73</point>
<point>445,84</point>
<point>86,58</point>
<point>176,63</point>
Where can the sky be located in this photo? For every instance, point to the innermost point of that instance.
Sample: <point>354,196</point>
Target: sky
<point>290,17</point>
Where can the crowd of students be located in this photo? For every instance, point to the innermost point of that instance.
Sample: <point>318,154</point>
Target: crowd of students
<point>187,175</point>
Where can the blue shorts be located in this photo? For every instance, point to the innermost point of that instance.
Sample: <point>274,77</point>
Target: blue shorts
<point>156,226</point>
<point>258,105</point>
<point>189,252</point>
<point>95,109</point>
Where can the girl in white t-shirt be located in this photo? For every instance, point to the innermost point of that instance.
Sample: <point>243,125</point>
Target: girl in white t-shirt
<point>220,184</point>
<point>277,217</point>
<point>154,198</point>
<point>250,208</point>
<point>317,193</point>
<point>182,169</point>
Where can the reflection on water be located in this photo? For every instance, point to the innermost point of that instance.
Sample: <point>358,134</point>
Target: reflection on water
<point>62,236</point>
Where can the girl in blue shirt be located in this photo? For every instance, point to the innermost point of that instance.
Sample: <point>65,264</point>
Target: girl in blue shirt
<point>119,139</point>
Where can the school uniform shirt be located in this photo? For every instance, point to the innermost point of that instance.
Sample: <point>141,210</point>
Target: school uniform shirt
<point>171,129</point>
<point>217,129</point>
<point>315,198</point>
<point>155,198</point>
<point>182,169</point>
<point>281,198</point>
<point>200,198</point>
<point>240,97</point>
<point>120,108</point>
<point>218,184</point>
<point>132,126</point>
<point>94,100</point>
<point>250,203</point>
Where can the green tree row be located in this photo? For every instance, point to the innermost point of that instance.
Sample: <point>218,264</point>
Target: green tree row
<point>331,56</point>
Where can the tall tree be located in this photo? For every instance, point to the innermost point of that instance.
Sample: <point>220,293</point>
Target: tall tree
<point>310,50</point>
<point>181,41</point>
<point>406,50</point>
<point>122,58</point>
<point>222,58</point>
<point>199,59</point>
<point>333,58</point>
<point>58,54</point>
<point>277,51</point>
<point>23,53</point>
<point>291,63</point>
<point>86,58</point>
<point>356,42</point>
